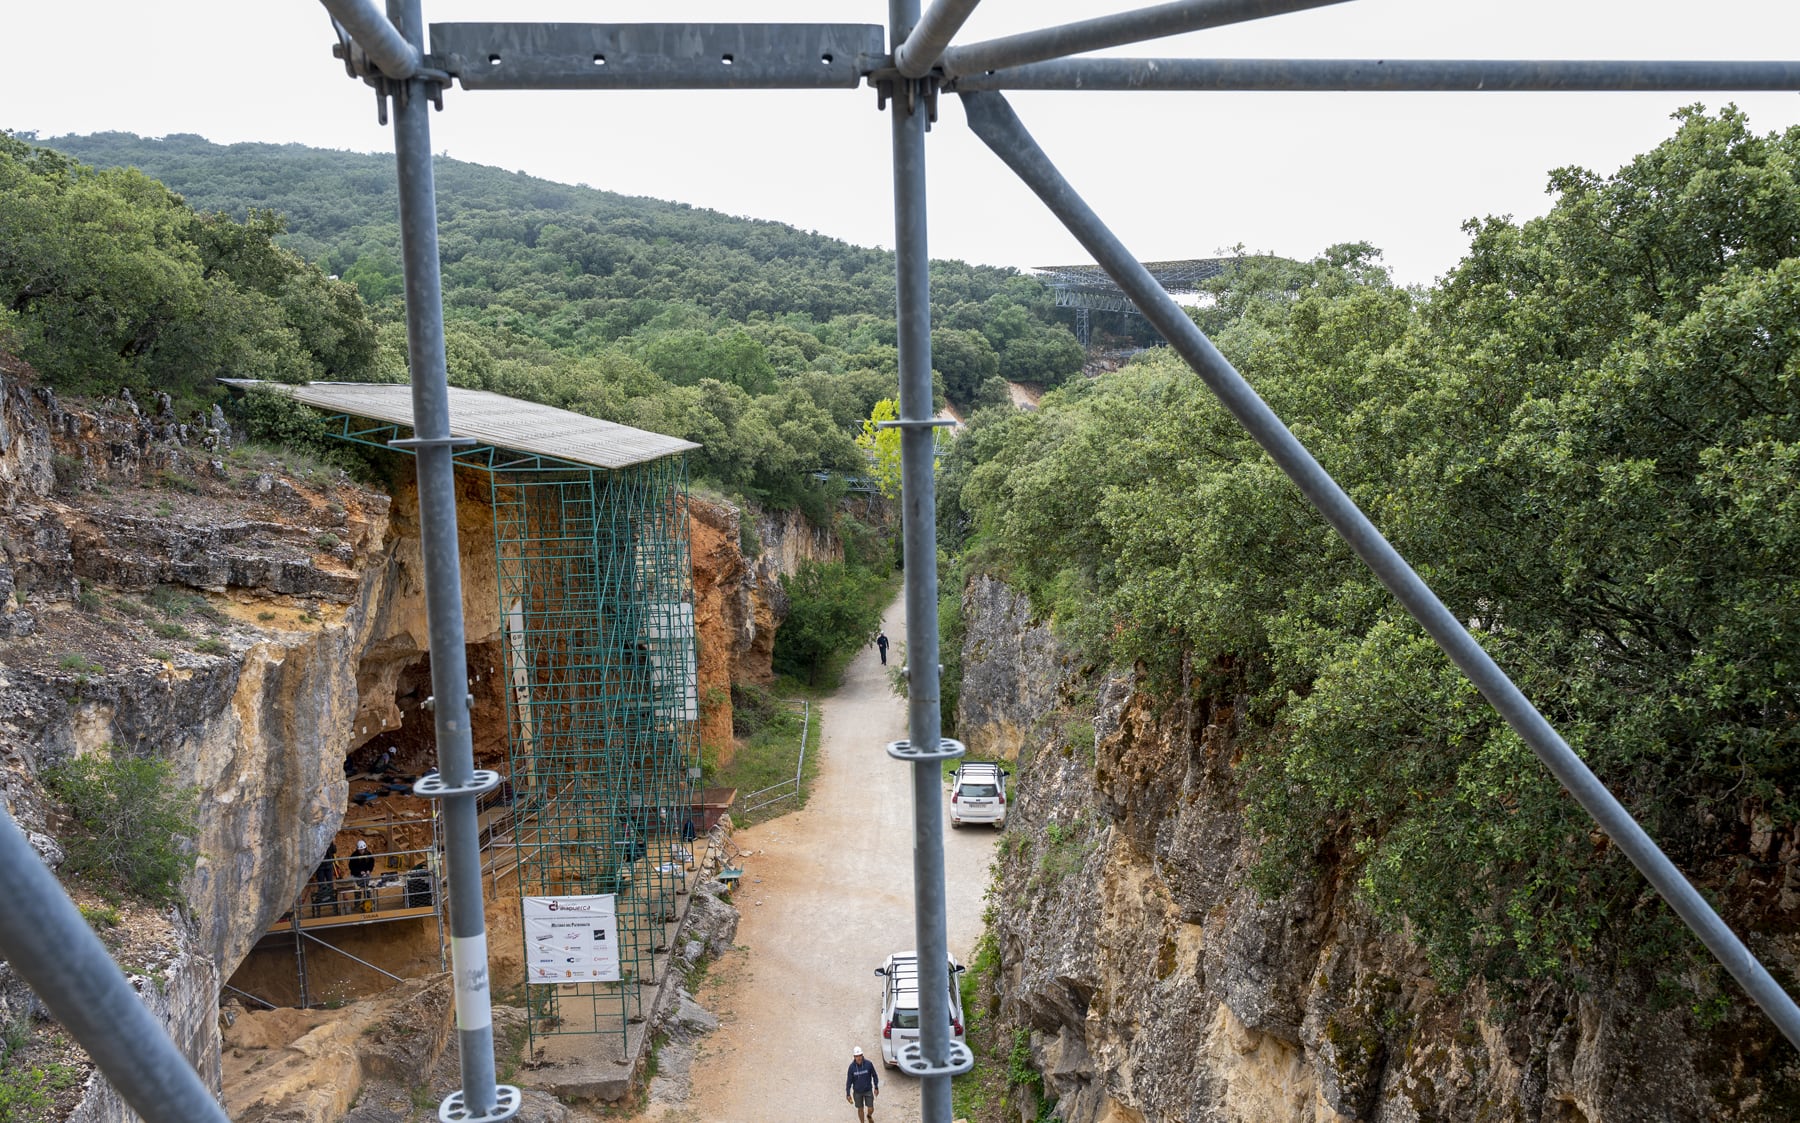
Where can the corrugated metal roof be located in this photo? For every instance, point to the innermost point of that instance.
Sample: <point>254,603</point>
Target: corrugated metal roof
<point>496,420</point>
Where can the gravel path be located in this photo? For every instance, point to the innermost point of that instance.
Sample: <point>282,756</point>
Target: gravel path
<point>827,894</point>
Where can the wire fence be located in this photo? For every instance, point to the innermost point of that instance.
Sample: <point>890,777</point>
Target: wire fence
<point>786,789</point>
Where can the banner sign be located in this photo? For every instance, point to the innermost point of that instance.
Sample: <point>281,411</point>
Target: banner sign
<point>571,939</point>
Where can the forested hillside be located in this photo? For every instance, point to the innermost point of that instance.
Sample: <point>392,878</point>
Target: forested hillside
<point>579,269</point>
<point>1587,439</point>
<point>767,345</point>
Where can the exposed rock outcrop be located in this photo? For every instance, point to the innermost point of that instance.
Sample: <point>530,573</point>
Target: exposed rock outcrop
<point>1011,668</point>
<point>1156,985</point>
<point>259,623</point>
<point>164,599</point>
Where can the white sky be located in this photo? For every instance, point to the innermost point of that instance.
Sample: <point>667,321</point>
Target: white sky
<point>1175,175</point>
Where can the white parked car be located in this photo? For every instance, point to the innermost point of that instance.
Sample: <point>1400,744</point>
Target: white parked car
<point>900,1004</point>
<point>978,794</point>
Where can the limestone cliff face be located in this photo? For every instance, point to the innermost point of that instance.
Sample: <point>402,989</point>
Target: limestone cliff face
<point>1011,669</point>
<point>739,602</point>
<point>726,597</point>
<point>1157,986</point>
<point>164,597</point>
<point>256,622</point>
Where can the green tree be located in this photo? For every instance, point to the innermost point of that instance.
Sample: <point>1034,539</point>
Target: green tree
<point>882,447</point>
<point>966,360</point>
<point>832,608</point>
<point>1585,439</point>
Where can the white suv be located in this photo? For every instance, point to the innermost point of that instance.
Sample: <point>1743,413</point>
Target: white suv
<point>978,794</point>
<point>900,1004</point>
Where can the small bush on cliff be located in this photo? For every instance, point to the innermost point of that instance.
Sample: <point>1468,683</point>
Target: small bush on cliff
<point>28,1085</point>
<point>752,707</point>
<point>132,825</point>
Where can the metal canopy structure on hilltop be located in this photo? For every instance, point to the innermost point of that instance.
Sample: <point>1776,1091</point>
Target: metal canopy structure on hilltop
<point>1089,288</point>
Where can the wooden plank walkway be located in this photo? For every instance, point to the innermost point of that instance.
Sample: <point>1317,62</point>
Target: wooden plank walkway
<point>285,926</point>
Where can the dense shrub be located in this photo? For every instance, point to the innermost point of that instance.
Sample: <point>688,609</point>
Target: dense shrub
<point>833,608</point>
<point>133,828</point>
<point>1586,439</point>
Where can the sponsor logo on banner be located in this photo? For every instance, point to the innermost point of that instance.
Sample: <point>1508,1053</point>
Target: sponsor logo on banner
<point>574,938</point>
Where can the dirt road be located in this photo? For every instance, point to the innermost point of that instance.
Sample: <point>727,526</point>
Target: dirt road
<point>826,896</point>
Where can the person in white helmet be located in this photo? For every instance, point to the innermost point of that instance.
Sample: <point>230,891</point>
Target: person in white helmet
<point>362,868</point>
<point>861,1085</point>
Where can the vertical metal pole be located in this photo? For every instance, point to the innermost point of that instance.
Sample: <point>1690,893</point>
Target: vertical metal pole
<point>44,939</point>
<point>300,955</point>
<point>443,577</point>
<point>436,882</point>
<point>992,119</point>
<point>919,541</point>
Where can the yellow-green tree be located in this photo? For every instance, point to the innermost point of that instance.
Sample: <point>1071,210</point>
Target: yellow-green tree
<point>882,447</point>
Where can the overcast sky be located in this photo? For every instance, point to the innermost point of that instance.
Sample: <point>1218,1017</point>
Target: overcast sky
<point>1175,175</point>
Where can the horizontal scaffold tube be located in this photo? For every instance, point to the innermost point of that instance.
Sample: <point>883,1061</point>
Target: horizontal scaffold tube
<point>1386,75</point>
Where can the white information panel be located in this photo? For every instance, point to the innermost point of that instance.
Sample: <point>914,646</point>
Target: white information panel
<point>571,939</point>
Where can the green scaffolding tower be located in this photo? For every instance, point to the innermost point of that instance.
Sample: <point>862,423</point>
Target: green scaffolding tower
<point>600,676</point>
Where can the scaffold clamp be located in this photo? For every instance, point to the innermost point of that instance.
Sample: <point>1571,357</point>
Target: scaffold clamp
<point>507,1102</point>
<point>913,1062</point>
<point>432,786</point>
<point>949,748</point>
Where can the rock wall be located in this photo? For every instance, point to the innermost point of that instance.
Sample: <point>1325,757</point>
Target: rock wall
<point>255,622</point>
<point>1157,986</point>
<point>739,602</point>
<point>787,539</point>
<point>165,597</point>
<point>730,615</point>
<point>1011,670</point>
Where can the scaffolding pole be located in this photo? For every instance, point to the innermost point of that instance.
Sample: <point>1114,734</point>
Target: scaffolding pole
<point>1115,31</point>
<point>458,783</point>
<point>44,938</point>
<point>1387,75</point>
<point>934,1057</point>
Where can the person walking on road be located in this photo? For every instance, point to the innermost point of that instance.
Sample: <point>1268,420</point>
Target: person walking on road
<point>881,646</point>
<point>861,1085</point>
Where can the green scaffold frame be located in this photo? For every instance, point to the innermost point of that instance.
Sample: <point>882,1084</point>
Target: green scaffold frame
<point>600,680</point>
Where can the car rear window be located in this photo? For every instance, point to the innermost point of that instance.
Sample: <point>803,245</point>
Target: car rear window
<point>906,1019</point>
<point>978,791</point>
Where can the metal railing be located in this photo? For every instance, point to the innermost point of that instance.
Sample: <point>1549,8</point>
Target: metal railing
<point>395,880</point>
<point>786,789</point>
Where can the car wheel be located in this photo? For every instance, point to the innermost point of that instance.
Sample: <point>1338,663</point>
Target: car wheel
<point>955,825</point>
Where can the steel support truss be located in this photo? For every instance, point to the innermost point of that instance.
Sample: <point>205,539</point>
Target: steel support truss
<point>42,934</point>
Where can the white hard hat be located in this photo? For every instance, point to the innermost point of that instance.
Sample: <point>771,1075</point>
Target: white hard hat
<point>361,845</point>
<point>856,1052</point>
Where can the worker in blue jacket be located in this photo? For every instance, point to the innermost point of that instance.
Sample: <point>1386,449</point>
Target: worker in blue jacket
<point>861,1085</point>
